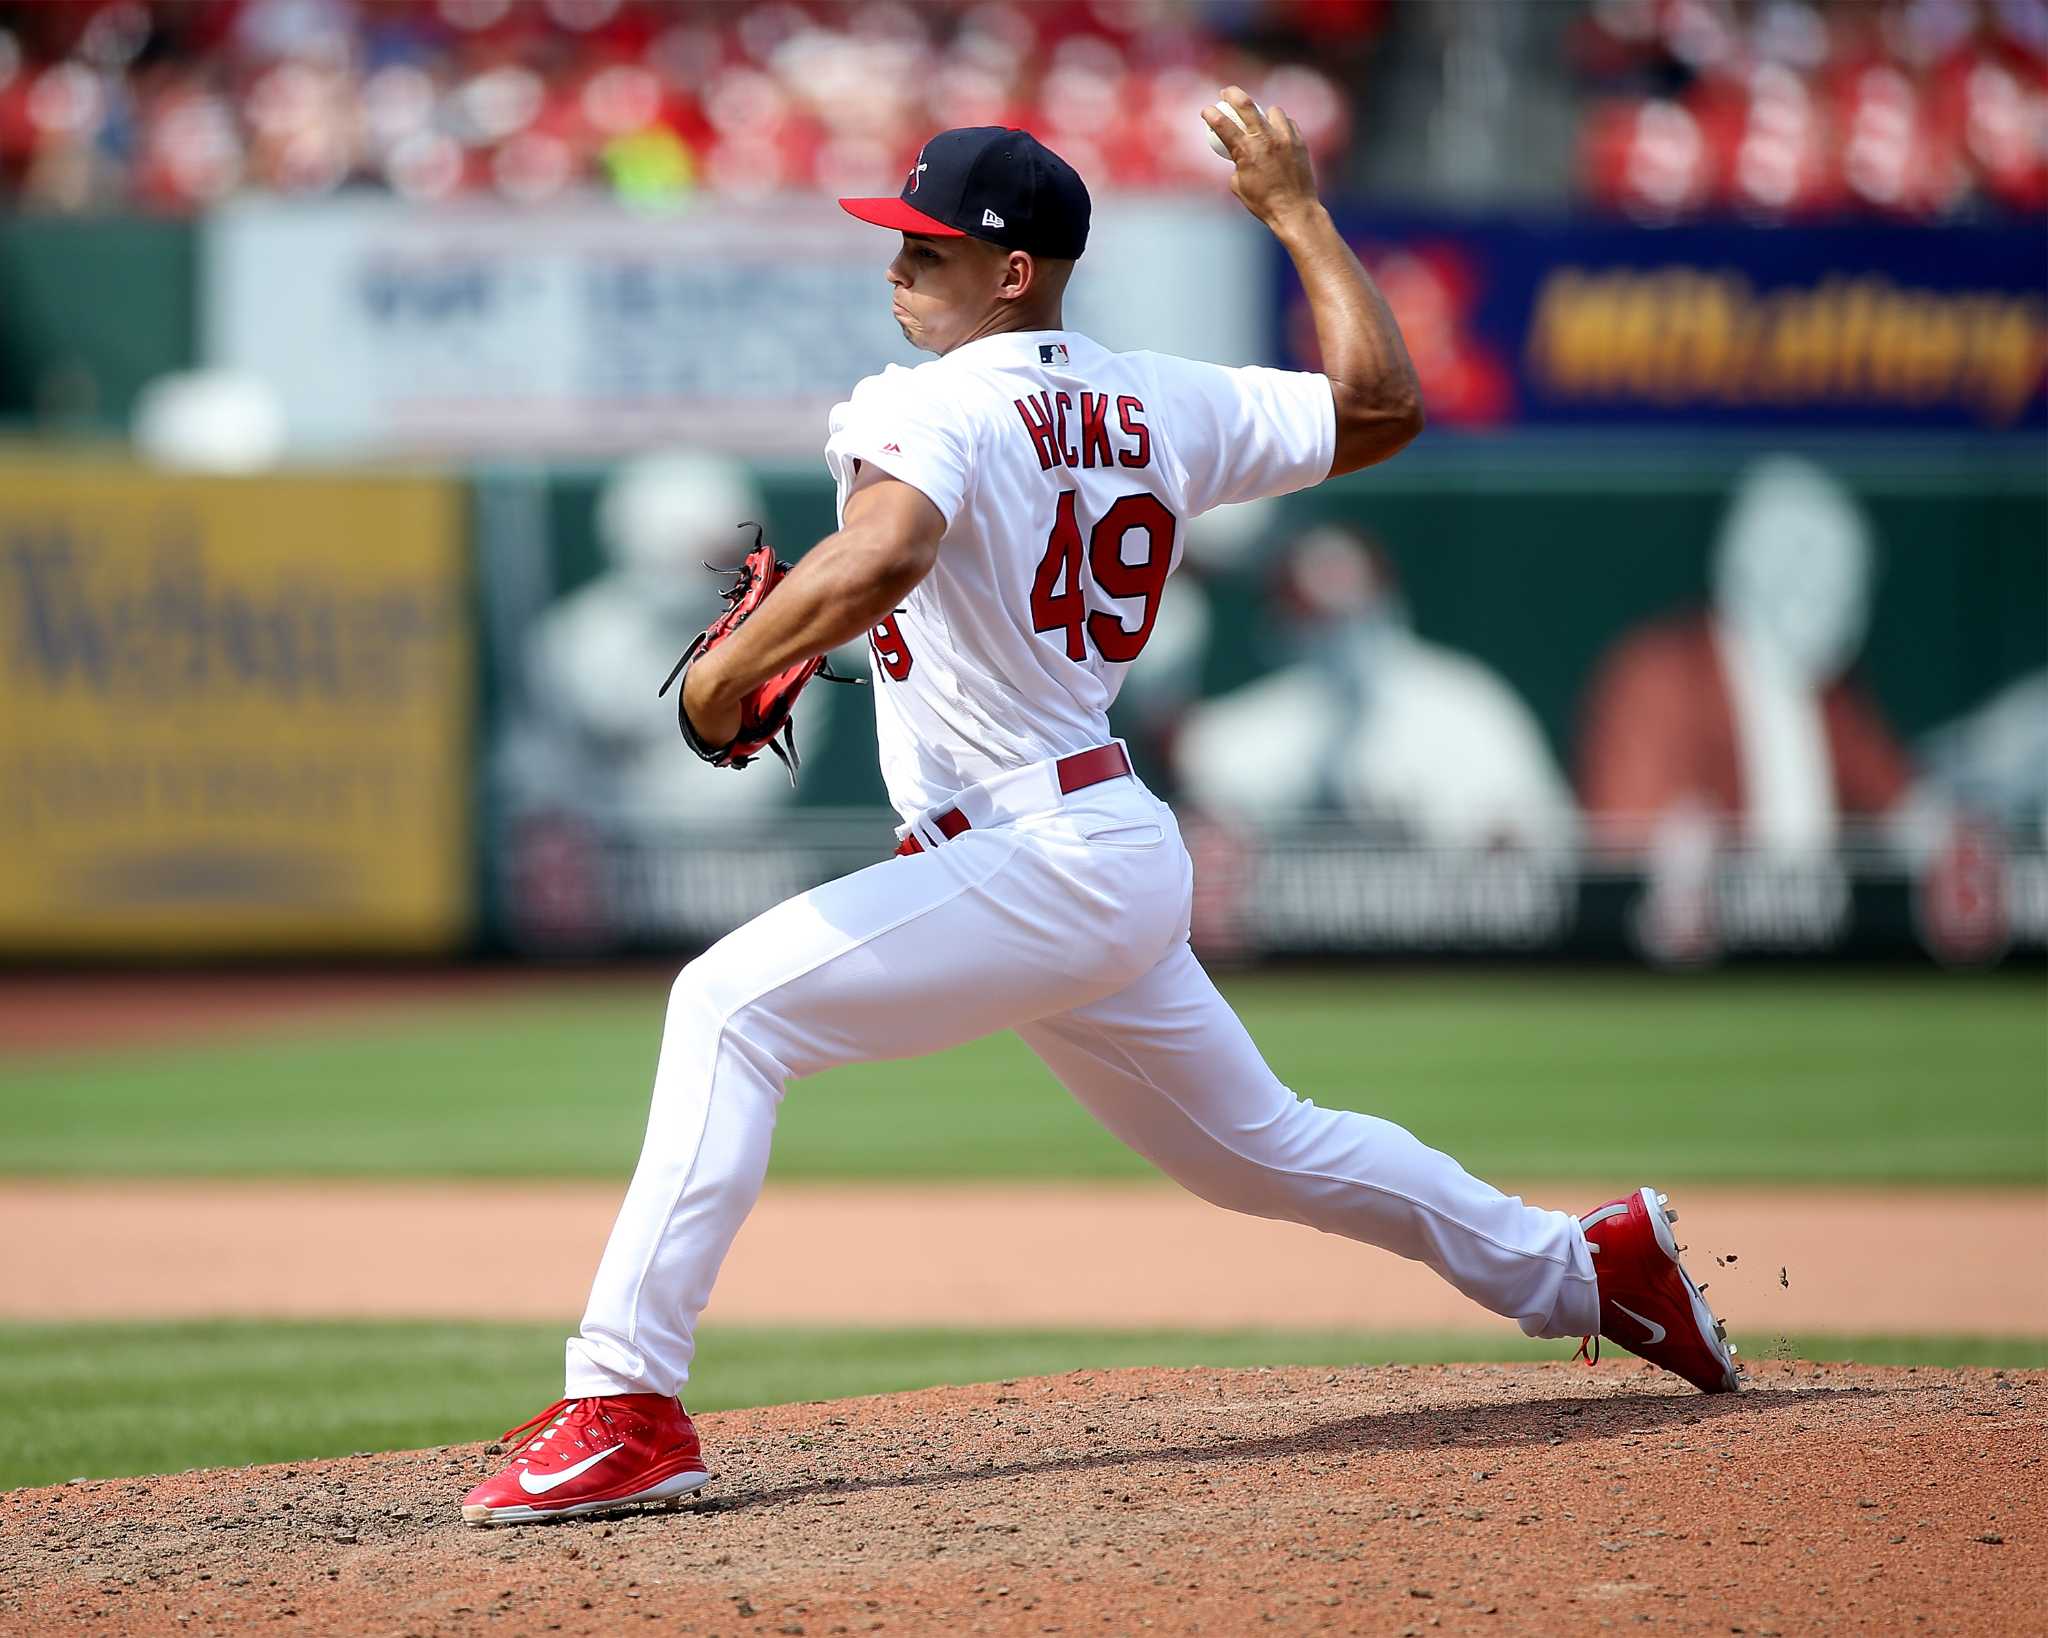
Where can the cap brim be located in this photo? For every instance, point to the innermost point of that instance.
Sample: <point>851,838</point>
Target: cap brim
<point>898,214</point>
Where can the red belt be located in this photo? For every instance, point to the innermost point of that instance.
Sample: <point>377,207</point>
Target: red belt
<point>1075,773</point>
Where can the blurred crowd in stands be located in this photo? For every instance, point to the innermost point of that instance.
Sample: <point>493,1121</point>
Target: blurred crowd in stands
<point>1782,107</point>
<point>1916,108</point>
<point>174,104</point>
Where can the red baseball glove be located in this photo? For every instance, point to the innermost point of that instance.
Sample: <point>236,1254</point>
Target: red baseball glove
<point>765,713</point>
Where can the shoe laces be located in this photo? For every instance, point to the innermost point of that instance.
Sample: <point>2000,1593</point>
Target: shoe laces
<point>512,1435</point>
<point>556,1416</point>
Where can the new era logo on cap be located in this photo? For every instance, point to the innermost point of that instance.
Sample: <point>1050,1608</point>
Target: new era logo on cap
<point>988,182</point>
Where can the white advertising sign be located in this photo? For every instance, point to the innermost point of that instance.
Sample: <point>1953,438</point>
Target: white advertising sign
<point>389,329</point>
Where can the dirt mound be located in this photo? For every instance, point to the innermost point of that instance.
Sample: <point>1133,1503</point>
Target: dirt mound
<point>1466,1498</point>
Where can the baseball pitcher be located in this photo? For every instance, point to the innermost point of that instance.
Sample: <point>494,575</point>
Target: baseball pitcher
<point>1009,513</point>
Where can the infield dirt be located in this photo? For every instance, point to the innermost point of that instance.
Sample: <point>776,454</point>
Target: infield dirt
<point>1456,1499</point>
<point>1910,1262</point>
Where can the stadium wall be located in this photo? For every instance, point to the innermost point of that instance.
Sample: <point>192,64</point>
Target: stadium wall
<point>1414,711</point>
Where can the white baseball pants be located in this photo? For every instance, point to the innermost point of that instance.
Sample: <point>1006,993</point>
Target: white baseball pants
<point>1067,920</point>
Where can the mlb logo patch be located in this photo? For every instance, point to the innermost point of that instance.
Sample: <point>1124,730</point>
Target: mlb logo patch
<point>1052,352</point>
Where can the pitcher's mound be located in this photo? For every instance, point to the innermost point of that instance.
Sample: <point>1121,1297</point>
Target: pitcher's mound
<point>1474,1498</point>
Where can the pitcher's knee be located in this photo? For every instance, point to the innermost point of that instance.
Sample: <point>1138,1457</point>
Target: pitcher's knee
<point>716,1075</point>
<point>712,991</point>
<point>689,998</point>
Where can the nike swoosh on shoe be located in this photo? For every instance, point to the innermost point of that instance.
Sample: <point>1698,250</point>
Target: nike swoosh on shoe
<point>1656,1336</point>
<point>534,1486</point>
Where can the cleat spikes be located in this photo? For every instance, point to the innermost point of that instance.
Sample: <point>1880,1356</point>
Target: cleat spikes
<point>1670,1216</point>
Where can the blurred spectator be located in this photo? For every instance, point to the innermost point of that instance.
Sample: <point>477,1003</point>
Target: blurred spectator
<point>1742,717</point>
<point>1374,722</point>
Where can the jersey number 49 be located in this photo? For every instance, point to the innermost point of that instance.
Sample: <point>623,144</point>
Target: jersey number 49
<point>1057,600</point>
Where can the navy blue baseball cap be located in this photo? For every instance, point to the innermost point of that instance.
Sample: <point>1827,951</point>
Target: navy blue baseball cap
<point>988,182</point>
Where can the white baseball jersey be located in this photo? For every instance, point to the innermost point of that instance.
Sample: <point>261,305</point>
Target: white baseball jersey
<point>1066,474</point>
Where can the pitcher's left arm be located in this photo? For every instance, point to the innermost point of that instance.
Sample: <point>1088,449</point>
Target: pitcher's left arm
<point>842,586</point>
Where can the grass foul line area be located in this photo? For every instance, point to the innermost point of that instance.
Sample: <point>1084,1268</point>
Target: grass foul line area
<point>1787,1076</point>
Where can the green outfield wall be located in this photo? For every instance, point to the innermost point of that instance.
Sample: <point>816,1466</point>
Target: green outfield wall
<point>1510,578</point>
<point>90,310</point>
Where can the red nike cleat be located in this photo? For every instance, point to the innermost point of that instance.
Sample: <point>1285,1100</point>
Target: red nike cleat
<point>593,1455</point>
<point>1648,1303</point>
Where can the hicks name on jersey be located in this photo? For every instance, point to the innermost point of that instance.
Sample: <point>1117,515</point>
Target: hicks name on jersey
<point>1045,416</point>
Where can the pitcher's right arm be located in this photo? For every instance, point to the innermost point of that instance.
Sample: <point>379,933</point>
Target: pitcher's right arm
<point>1372,381</point>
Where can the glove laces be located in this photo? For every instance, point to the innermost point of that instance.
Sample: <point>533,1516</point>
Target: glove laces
<point>781,740</point>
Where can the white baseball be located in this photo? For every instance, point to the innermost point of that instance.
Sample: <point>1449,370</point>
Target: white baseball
<point>1216,141</point>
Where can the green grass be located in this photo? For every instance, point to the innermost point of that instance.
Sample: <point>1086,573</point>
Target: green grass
<point>1917,1077</point>
<point>104,1400</point>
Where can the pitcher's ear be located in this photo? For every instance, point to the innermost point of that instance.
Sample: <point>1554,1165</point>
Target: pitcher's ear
<point>1020,275</point>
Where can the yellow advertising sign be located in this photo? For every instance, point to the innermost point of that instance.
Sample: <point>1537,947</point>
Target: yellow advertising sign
<point>234,712</point>
<point>1678,335</point>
